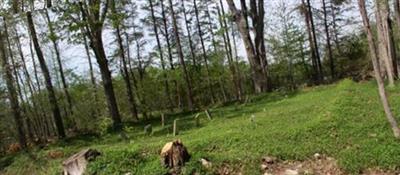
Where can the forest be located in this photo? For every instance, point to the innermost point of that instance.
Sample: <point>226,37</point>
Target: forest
<point>206,86</point>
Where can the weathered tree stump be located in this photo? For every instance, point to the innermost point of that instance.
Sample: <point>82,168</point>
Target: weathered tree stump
<point>197,119</point>
<point>174,155</point>
<point>76,164</point>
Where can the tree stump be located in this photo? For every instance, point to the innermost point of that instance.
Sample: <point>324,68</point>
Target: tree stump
<point>175,128</point>
<point>76,164</point>
<point>162,120</point>
<point>174,155</point>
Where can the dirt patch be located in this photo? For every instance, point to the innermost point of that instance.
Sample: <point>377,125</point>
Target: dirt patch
<point>319,164</point>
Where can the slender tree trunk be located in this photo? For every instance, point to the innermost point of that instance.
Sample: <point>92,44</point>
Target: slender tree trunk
<point>53,39</point>
<point>382,17</point>
<point>125,75</point>
<point>240,16</point>
<point>155,29</point>
<point>189,35</point>
<point>311,43</point>
<point>381,87</point>
<point>49,86</point>
<point>228,48</point>
<point>328,40</point>
<point>171,62</point>
<point>181,58</point>
<point>203,47</point>
<point>315,43</point>
<point>94,33</point>
<point>12,94</point>
<point>91,72</point>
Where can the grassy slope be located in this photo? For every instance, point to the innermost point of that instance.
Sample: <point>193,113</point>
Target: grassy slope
<point>344,121</point>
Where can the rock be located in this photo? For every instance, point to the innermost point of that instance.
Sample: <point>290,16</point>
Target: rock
<point>76,164</point>
<point>268,160</point>
<point>291,172</point>
<point>317,156</point>
<point>174,154</point>
<point>206,163</point>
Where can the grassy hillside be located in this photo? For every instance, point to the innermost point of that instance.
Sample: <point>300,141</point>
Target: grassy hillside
<point>344,121</point>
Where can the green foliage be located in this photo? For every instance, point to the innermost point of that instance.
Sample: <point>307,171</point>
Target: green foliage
<point>331,120</point>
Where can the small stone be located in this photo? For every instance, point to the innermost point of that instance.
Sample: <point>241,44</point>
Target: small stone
<point>128,173</point>
<point>291,172</point>
<point>317,156</point>
<point>269,160</point>
<point>206,163</point>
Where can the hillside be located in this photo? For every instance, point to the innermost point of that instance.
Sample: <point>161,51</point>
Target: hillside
<point>344,121</point>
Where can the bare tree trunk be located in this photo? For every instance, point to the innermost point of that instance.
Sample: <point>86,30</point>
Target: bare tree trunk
<point>181,58</point>
<point>228,52</point>
<point>171,62</point>
<point>328,41</point>
<point>240,16</point>
<point>94,33</point>
<point>189,35</point>
<point>203,47</point>
<point>315,43</point>
<point>125,75</point>
<point>53,39</point>
<point>155,29</point>
<point>12,94</point>
<point>381,87</point>
<point>315,76</point>
<point>232,65</point>
<point>382,17</point>
<point>91,72</point>
<point>49,86</point>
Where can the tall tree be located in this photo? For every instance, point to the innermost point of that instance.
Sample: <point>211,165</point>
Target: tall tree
<point>159,47</point>
<point>54,40</point>
<point>125,73</point>
<point>240,16</point>
<point>203,48</point>
<point>12,93</point>
<point>374,58</point>
<point>49,86</point>
<point>328,40</point>
<point>181,58</point>
<point>386,48</point>
<point>189,33</point>
<point>305,10</point>
<point>93,14</point>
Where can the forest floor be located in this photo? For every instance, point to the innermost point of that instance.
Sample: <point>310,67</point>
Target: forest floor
<point>343,123</point>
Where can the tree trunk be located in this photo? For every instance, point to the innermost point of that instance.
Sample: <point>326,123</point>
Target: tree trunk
<point>382,16</point>
<point>53,39</point>
<point>171,62</point>
<point>203,47</point>
<point>381,87</point>
<point>328,41</point>
<point>125,75</point>
<point>49,86</point>
<point>12,94</point>
<point>181,58</point>
<point>94,33</point>
<point>155,29</point>
<point>240,16</point>
<point>315,43</point>
<point>189,35</point>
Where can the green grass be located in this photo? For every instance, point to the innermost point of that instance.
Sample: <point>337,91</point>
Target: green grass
<point>344,121</point>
